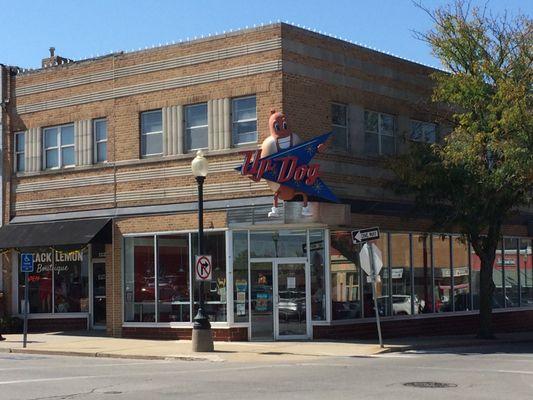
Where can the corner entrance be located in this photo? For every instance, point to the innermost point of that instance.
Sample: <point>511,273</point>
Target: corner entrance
<point>280,304</point>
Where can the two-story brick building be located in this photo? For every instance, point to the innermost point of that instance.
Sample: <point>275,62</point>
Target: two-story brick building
<point>96,183</point>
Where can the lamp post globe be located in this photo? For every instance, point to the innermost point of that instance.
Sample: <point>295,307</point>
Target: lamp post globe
<point>199,165</point>
<point>202,336</point>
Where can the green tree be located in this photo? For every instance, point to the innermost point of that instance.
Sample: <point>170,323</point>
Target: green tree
<point>480,173</point>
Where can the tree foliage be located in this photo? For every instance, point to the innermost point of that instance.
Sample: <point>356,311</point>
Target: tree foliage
<point>481,172</point>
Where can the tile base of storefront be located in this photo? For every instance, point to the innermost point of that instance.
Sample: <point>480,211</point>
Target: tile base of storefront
<point>57,324</point>
<point>438,325</point>
<point>221,334</point>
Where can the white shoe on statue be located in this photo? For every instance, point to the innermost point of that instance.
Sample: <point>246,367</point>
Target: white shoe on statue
<point>274,213</point>
<point>306,211</point>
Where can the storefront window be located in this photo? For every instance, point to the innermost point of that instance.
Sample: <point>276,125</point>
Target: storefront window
<point>59,283</point>
<point>240,276</point>
<point>475,268</point>
<point>40,291</point>
<point>498,300</point>
<point>274,244</point>
<point>345,288</point>
<point>526,273</point>
<point>318,288</point>
<point>215,290</point>
<point>173,278</point>
<point>442,273</point>
<point>422,272</point>
<point>139,279</point>
<point>461,275</point>
<point>509,262</point>
<point>382,286</point>
<point>401,276</point>
<point>70,281</point>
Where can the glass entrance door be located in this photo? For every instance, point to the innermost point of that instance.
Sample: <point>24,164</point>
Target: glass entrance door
<point>261,304</point>
<point>291,298</point>
<point>99,296</point>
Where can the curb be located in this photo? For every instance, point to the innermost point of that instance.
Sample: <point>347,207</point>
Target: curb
<point>183,357</point>
<point>473,343</point>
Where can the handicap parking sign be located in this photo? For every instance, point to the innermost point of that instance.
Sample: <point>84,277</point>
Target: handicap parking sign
<point>26,262</point>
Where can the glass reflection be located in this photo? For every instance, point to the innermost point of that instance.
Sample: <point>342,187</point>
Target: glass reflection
<point>422,273</point>
<point>401,276</point>
<point>345,290</point>
<point>461,275</point>
<point>442,273</point>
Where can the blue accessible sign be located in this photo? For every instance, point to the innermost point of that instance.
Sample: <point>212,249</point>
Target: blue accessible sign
<point>26,262</point>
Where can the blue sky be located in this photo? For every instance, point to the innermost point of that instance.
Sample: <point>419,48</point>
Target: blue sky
<point>81,29</point>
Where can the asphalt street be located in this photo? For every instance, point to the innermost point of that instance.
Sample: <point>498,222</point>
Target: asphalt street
<point>504,372</point>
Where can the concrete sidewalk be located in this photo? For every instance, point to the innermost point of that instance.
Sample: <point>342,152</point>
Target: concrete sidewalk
<point>95,345</point>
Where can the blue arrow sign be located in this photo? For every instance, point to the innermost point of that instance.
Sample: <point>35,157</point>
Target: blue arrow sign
<point>285,162</point>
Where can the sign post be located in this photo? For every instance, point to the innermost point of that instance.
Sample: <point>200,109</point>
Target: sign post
<point>371,262</point>
<point>374,289</point>
<point>26,266</point>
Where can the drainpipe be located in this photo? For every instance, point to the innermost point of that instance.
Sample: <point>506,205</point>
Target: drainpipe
<point>2,107</point>
<point>2,77</point>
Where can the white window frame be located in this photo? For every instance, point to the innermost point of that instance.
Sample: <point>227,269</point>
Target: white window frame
<point>19,153</point>
<point>58,148</point>
<point>234,122</point>
<point>145,134</point>
<point>424,139</point>
<point>345,127</point>
<point>96,141</point>
<point>190,129</point>
<point>379,133</point>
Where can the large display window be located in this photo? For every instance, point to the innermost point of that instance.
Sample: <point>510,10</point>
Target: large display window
<point>214,291</point>
<point>158,279</point>
<point>426,273</point>
<point>59,283</point>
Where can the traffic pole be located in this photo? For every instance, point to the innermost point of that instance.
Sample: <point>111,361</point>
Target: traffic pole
<point>26,294</point>
<point>374,290</point>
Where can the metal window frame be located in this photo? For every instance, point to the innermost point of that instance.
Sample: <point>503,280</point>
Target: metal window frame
<point>345,127</point>
<point>235,122</point>
<point>96,142</point>
<point>19,153</point>
<point>452,277</point>
<point>423,123</point>
<point>192,128</point>
<point>59,147</point>
<point>379,132</point>
<point>151,133</point>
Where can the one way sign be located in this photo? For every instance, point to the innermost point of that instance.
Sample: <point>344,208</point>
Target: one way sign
<point>364,235</point>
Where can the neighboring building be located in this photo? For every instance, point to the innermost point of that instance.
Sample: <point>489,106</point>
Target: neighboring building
<point>96,183</point>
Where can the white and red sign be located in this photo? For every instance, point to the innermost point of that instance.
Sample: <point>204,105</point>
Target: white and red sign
<point>203,268</point>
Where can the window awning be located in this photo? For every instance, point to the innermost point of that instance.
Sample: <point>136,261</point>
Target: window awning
<point>55,233</point>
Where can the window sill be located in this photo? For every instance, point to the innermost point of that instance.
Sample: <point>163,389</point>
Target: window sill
<point>138,161</point>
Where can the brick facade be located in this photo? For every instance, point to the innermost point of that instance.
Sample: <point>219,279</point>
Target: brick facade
<point>284,67</point>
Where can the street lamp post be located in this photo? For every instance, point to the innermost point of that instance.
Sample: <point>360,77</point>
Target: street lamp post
<point>202,336</point>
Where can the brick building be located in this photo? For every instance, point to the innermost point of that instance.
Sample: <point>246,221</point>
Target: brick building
<point>96,183</point>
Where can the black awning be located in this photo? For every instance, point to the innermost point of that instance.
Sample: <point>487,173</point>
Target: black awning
<point>55,233</point>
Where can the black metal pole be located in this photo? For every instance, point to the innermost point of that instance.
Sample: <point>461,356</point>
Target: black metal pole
<point>201,320</point>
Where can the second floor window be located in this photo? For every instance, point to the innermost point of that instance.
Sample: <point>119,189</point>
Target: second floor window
<point>423,131</point>
<point>379,133</point>
<point>152,133</point>
<point>100,140</point>
<point>19,152</point>
<point>196,127</point>
<point>59,147</point>
<point>339,123</point>
<point>244,120</point>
